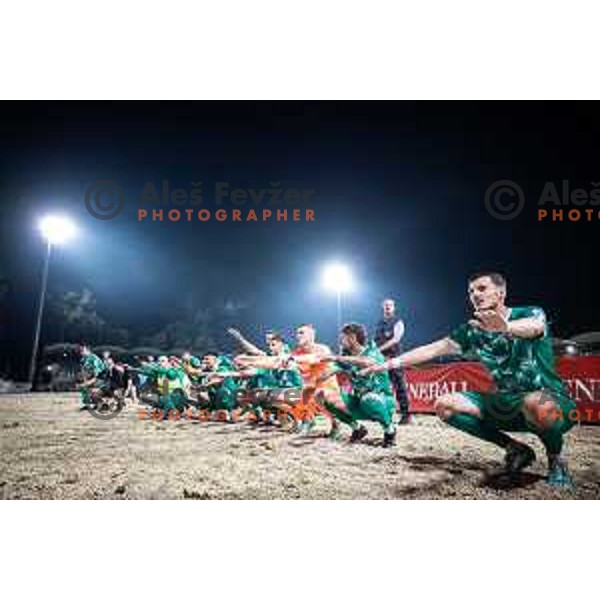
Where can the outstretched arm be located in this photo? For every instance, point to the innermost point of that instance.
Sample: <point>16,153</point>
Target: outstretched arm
<point>217,377</point>
<point>312,359</point>
<point>417,356</point>
<point>237,374</point>
<point>360,361</point>
<point>260,362</point>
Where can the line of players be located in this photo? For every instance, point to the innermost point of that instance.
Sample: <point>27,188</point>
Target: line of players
<point>279,386</point>
<point>513,343</point>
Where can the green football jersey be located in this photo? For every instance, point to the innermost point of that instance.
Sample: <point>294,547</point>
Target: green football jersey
<point>515,364</point>
<point>262,379</point>
<point>92,365</point>
<point>374,382</point>
<point>224,365</point>
<point>168,378</point>
<point>288,378</point>
<point>287,375</point>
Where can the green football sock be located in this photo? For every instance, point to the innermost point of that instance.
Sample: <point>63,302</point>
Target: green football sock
<point>85,396</point>
<point>339,414</point>
<point>552,438</point>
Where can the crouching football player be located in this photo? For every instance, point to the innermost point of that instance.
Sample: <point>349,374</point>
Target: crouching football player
<point>528,395</point>
<point>371,397</point>
<point>93,370</point>
<point>276,384</point>
<point>170,380</point>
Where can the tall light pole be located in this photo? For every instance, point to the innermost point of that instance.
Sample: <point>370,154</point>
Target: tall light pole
<point>337,278</point>
<point>55,230</point>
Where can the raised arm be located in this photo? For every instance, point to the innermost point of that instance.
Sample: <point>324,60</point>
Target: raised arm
<point>249,347</point>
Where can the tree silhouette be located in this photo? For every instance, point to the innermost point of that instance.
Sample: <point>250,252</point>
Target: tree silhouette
<point>74,317</point>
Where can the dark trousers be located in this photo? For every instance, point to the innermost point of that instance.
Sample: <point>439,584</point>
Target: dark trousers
<point>397,378</point>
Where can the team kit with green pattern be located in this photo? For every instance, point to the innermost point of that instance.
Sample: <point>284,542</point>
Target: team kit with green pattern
<point>512,343</point>
<point>93,369</point>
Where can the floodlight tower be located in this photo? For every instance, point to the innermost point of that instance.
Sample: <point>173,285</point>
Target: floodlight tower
<point>55,229</point>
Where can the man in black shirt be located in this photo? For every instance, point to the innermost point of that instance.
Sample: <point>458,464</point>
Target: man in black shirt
<point>388,337</point>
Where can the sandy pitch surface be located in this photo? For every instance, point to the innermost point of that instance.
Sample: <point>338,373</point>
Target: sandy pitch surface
<point>49,449</point>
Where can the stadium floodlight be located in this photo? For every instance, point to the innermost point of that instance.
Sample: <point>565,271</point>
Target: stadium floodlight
<point>55,229</point>
<point>337,277</point>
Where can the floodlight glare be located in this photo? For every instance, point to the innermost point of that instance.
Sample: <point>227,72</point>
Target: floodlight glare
<point>337,277</point>
<point>57,229</point>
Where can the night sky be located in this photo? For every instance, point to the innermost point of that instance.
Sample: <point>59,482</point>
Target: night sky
<point>399,196</point>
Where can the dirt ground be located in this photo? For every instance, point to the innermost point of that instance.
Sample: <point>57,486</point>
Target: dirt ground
<point>49,449</point>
